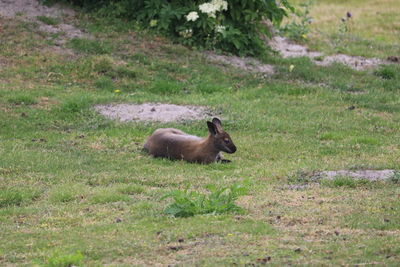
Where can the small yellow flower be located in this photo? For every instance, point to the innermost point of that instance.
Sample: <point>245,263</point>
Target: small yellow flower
<point>153,23</point>
<point>304,36</point>
<point>117,91</point>
<point>230,234</point>
<point>291,67</point>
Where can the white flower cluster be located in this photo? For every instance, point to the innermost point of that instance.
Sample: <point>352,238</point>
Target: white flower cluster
<point>192,16</point>
<point>220,28</point>
<point>186,33</point>
<point>211,8</point>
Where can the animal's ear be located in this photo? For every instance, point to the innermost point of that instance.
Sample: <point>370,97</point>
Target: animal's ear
<point>217,124</point>
<point>216,121</point>
<point>212,128</point>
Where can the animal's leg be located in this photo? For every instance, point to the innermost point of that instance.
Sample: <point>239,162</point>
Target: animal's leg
<point>221,160</point>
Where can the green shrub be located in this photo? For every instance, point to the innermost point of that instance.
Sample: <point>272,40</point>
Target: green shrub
<point>220,200</point>
<point>236,26</point>
<point>299,26</point>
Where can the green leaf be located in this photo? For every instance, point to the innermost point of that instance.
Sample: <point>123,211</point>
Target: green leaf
<point>219,200</point>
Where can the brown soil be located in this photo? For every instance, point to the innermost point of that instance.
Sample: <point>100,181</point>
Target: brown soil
<point>246,63</point>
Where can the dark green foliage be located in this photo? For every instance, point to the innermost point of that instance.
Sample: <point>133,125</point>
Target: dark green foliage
<point>299,27</point>
<point>237,29</point>
<point>220,200</point>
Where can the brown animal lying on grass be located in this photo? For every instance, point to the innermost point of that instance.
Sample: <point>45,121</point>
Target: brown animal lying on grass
<point>175,144</point>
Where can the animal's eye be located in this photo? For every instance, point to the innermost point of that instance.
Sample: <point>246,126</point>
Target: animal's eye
<point>226,141</point>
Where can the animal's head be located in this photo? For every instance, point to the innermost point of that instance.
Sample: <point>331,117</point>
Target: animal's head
<point>222,140</point>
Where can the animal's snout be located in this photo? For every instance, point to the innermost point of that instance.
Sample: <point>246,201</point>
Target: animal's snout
<point>232,149</point>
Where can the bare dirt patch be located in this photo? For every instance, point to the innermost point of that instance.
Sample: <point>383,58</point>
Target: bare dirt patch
<point>306,180</point>
<point>152,112</point>
<point>288,49</point>
<point>30,10</point>
<point>243,63</point>
<point>371,175</point>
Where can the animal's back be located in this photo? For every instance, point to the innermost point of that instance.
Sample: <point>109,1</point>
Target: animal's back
<point>175,144</point>
<point>170,143</point>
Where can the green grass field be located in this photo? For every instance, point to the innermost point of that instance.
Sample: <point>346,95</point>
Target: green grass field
<point>373,30</point>
<point>75,188</point>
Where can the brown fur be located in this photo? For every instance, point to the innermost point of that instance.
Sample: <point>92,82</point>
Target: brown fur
<point>175,144</point>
